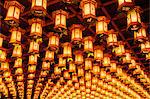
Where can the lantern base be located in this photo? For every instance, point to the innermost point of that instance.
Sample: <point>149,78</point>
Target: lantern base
<point>125,6</point>
<point>134,26</point>
<point>38,11</point>
<point>12,22</point>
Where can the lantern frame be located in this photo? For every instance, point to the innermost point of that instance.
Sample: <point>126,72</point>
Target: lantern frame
<point>63,63</point>
<point>87,48</point>
<point>3,58</point>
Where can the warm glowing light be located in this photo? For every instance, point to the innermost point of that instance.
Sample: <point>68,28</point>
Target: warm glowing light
<point>88,44</point>
<point>46,65</point>
<point>57,71</point>
<point>32,68</point>
<point>98,53</point>
<point>112,38</point>
<point>80,72</point>
<point>34,47</point>
<point>127,58</point>
<point>120,50</point>
<point>106,60</point>
<point>78,57</point>
<point>5,66</point>
<point>145,47</point>
<point>49,56</point>
<point>72,67</point>
<point>66,74</point>
<point>33,59</point>
<point>88,64</point>
<point>125,5</point>
<point>17,51</point>
<point>62,61</point>
<point>113,66</point>
<point>19,71</point>
<point>2,54</point>
<point>67,50</point>
<point>96,69</point>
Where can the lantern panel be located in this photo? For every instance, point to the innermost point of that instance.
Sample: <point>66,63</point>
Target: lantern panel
<point>72,67</point>
<point>62,61</point>
<point>96,69</point>
<point>34,47</point>
<point>33,59</point>
<point>125,5</point>
<point>49,55</point>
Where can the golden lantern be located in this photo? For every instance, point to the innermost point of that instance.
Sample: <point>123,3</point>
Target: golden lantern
<point>102,25</point>
<point>72,67</point>
<point>102,74</point>
<point>76,32</point>
<point>2,54</point>
<point>81,81</point>
<point>133,63</point>
<point>127,57</point>
<point>66,74</point>
<point>14,10</point>
<point>57,71</point>
<point>125,5</point>
<point>88,64</point>
<point>60,17</point>
<point>88,84</point>
<point>43,73</point>
<point>120,50</point>
<point>80,71</point>
<point>46,65</point>
<point>98,53</point>
<point>94,80</point>
<point>20,78</point>
<point>4,66</point>
<point>53,41</point>
<point>18,63</point>
<point>74,78</point>
<point>17,51</point>
<point>67,50</point>
<point>19,71</point>
<point>112,38</point>
<point>93,88</point>
<point>49,56</point>
<point>88,44</point>
<point>82,88</point>
<point>34,47</point>
<point>32,68</point>
<point>96,69</point>
<point>145,47</point>
<point>113,66</point>
<point>62,61</point>
<point>76,85</point>
<point>78,57</point>
<point>39,6</point>
<point>88,9</point>
<point>33,59</point>
<point>133,18</point>
<point>88,76</point>
<point>148,56</point>
<point>106,60</point>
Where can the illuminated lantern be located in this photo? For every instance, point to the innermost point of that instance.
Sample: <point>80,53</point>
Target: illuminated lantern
<point>133,18</point>
<point>88,76</point>
<point>46,65</point>
<point>113,67</point>
<point>4,66</point>
<point>31,76</point>
<point>2,54</point>
<point>93,88</point>
<point>81,81</point>
<point>57,71</point>
<point>72,67</point>
<point>76,85</point>
<point>96,69</point>
<point>17,51</point>
<point>106,60</point>
<point>133,63</point>
<point>34,47</point>
<point>43,73</point>
<point>88,64</point>
<point>127,57</point>
<point>88,44</point>
<point>60,17</point>
<point>39,6</point>
<point>102,74</point>
<point>49,56</point>
<point>125,5</point>
<point>88,9</point>
<point>145,47</point>
<point>67,50</point>
<point>148,56</point>
<point>88,84</point>
<point>32,68</point>
<point>78,57</point>
<point>119,51</point>
<point>98,53</point>
<point>94,80</point>
<point>33,59</point>
<point>13,13</point>
<point>74,78</point>
<point>80,72</point>
<point>112,38</point>
<point>18,63</point>
<point>18,71</point>
<point>53,41</point>
<point>20,78</point>
<point>82,88</point>
<point>102,25</point>
<point>66,74</point>
<point>76,32</point>
<point>62,61</point>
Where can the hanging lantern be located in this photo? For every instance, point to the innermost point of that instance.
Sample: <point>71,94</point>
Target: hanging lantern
<point>113,67</point>
<point>46,65</point>
<point>76,32</point>
<point>60,17</point>
<point>82,88</point>
<point>106,60</point>
<point>127,57</point>
<point>33,59</point>
<point>102,25</point>
<point>49,56</point>
<point>81,81</point>
<point>96,69</point>
<point>119,51</point>
<point>72,67</point>
<point>18,63</point>
<point>13,13</point>
<point>125,5</point>
<point>88,9</point>
<point>88,84</point>
<point>31,76</point>
<point>145,47</point>
<point>36,27</point>
<point>94,80</point>
<point>67,50</point>
<point>34,47</point>
<point>74,78</point>
<point>102,74</point>
<point>112,38</point>
<point>76,85</point>
<point>98,53</point>
<point>5,66</point>
<point>88,64</point>
<point>148,56</point>
<point>88,76</point>
<point>57,71</point>
<point>80,71</point>
<point>2,55</point>
<point>19,71</point>
<point>17,51</point>
<point>133,18</point>
<point>88,44</point>
<point>53,41</point>
<point>66,74</point>
<point>133,63</point>
<point>78,57</point>
<point>43,73</point>
<point>93,88</point>
<point>2,38</point>
<point>20,78</point>
<point>62,61</point>
<point>32,68</point>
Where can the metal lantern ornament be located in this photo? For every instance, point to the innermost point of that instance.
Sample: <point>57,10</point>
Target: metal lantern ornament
<point>102,25</point>
<point>33,59</point>
<point>96,69</point>
<point>60,18</point>
<point>67,50</point>
<point>127,57</point>
<point>31,68</point>
<point>88,9</point>
<point>120,50</point>
<point>88,64</point>
<point>13,13</point>
<point>18,63</point>
<point>106,60</point>
<point>145,47</point>
<point>78,57</point>
<point>125,5</point>
<point>62,61</point>
<point>133,18</point>
<point>112,38</point>
<point>88,44</point>
<point>34,47</point>
<point>49,55</point>
<point>98,53</point>
<point>113,66</point>
<point>72,67</point>
<point>17,51</point>
<point>2,54</point>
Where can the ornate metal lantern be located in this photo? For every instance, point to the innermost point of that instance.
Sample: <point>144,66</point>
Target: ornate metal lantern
<point>127,57</point>
<point>46,65</point>
<point>88,64</point>
<point>119,51</point>
<point>66,74</point>
<point>78,57</point>
<point>80,71</point>
<point>34,47</point>
<point>145,47</point>
<point>2,54</point>
<point>49,55</point>
<point>72,67</point>
<point>18,63</point>
<point>112,38</point>
<point>113,66</point>
<point>96,69</point>
<point>33,59</point>
<point>4,66</point>
<point>62,61</point>
<point>98,53</point>
<point>88,44</point>
<point>106,60</point>
<point>125,5</point>
<point>31,68</point>
<point>17,51</point>
<point>67,50</point>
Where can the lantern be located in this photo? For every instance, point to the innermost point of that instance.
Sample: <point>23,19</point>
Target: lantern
<point>66,74</point>
<point>76,32</point>
<point>17,51</point>
<point>125,5</point>
<point>112,38</point>
<point>72,67</point>
<point>76,85</point>
<point>82,88</point>
<point>31,76</point>
<point>102,74</point>
<point>67,50</point>
<point>20,78</point>
<point>88,76</point>
<point>33,59</point>
<point>78,57</point>
<point>2,54</point>
<point>43,73</point>
<point>46,65</point>
<point>88,64</point>
<point>127,57</point>
<point>39,6</point>
<point>62,61</point>
<point>53,41</point>
<point>74,78</point>
<point>32,68</point>
<point>96,69</point>
<point>94,80</point>
<point>19,71</point>
<point>98,53</point>
<point>36,27</point>
<point>102,25</point>
<point>93,88</point>
<point>80,72</point>
<point>113,67</point>
<point>145,47</point>
<point>57,71</point>
<point>81,81</point>
<point>2,37</point>
<point>133,18</point>
<point>148,56</point>
<point>106,60</point>
<point>13,13</point>
<point>119,51</point>
<point>88,44</point>
<point>18,63</point>
<point>49,56</point>
<point>88,9</point>
<point>60,17</point>
<point>4,66</point>
<point>88,84</point>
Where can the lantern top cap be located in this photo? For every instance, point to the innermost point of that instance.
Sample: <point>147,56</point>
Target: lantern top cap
<point>59,12</point>
<point>103,18</point>
<point>88,38</point>
<point>88,1</point>
<point>8,3</point>
<point>100,47</point>
<point>78,52</point>
<point>35,20</point>
<point>77,26</point>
